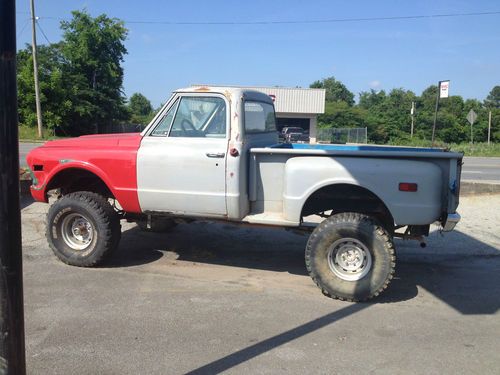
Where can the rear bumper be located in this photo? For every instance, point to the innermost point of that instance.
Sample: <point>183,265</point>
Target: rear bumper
<point>450,222</point>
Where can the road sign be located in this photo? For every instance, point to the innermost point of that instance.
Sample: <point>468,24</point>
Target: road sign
<point>444,87</point>
<point>471,117</point>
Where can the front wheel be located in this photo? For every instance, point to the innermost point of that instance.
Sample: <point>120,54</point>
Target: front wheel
<point>82,229</point>
<point>350,257</point>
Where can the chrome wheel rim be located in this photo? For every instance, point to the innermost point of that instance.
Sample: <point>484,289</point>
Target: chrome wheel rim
<point>349,259</point>
<point>77,231</point>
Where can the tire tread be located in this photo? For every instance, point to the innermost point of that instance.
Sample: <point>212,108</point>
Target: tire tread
<point>105,213</point>
<point>351,217</point>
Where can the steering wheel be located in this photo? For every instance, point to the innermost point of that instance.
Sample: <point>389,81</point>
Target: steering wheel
<point>190,126</point>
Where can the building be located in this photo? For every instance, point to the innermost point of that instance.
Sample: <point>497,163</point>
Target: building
<point>295,106</point>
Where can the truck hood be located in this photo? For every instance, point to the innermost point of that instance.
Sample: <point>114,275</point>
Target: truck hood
<point>98,141</point>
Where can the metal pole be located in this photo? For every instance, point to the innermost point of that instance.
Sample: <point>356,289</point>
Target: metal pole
<point>489,127</point>
<point>12,351</point>
<point>35,71</point>
<point>471,134</point>
<point>412,118</point>
<point>436,113</point>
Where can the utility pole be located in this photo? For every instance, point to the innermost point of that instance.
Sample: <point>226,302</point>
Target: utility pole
<point>412,117</point>
<point>442,92</point>
<point>435,114</point>
<point>35,71</point>
<point>489,127</point>
<point>12,349</point>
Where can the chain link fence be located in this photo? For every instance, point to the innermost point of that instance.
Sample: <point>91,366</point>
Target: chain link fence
<point>342,135</point>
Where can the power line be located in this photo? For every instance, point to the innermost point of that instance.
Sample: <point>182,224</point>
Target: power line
<point>333,20</point>
<point>43,33</point>
<point>295,22</point>
<point>22,28</point>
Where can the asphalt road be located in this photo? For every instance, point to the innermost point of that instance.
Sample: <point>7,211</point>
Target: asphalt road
<point>208,298</point>
<point>24,149</point>
<point>481,169</point>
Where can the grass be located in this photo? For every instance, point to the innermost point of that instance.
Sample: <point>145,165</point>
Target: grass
<point>28,133</point>
<point>476,149</point>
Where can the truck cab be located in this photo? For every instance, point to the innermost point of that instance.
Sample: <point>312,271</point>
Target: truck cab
<point>193,158</point>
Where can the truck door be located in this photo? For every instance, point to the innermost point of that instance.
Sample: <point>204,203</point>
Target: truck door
<point>181,164</point>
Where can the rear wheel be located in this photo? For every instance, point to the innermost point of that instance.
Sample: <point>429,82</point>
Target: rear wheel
<point>83,229</point>
<point>350,257</point>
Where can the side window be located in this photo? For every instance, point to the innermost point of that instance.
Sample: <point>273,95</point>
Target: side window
<point>164,124</point>
<point>259,117</point>
<point>200,117</point>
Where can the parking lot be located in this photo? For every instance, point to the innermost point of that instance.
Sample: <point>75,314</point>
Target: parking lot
<point>212,297</point>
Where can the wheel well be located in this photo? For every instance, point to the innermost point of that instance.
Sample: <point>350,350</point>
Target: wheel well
<point>348,198</point>
<point>75,179</point>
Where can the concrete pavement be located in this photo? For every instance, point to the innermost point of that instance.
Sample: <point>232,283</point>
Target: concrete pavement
<point>210,297</point>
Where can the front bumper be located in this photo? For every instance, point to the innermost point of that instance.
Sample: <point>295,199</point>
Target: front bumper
<point>450,222</point>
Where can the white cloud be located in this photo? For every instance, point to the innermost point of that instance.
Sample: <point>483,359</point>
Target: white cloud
<point>375,84</point>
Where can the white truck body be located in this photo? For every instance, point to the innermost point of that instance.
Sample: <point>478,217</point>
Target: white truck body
<point>267,183</point>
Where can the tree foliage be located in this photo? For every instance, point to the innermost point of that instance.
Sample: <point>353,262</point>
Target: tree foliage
<point>336,91</point>
<point>493,99</point>
<point>80,77</point>
<point>140,109</point>
<point>388,120</point>
<point>55,104</point>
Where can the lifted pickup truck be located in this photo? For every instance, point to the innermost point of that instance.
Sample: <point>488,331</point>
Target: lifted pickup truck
<point>212,153</point>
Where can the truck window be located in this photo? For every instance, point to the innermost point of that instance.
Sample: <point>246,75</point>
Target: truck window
<point>200,117</point>
<point>259,117</point>
<point>164,124</point>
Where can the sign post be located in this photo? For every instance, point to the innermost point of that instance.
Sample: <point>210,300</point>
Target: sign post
<point>443,92</point>
<point>12,350</point>
<point>489,127</point>
<point>471,117</point>
<point>412,112</point>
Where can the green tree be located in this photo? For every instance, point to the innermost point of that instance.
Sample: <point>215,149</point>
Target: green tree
<point>53,98</point>
<point>336,91</point>
<point>93,50</point>
<point>140,108</point>
<point>371,99</point>
<point>493,98</point>
<point>492,103</point>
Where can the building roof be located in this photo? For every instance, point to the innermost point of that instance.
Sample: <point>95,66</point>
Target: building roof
<point>290,99</point>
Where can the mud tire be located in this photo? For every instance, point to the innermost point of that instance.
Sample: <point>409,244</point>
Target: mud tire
<point>100,223</point>
<point>369,233</point>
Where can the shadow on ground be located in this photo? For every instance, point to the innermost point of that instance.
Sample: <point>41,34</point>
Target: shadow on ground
<point>25,201</point>
<point>467,282</point>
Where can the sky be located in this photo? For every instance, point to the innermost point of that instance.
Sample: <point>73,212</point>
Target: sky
<point>364,55</point>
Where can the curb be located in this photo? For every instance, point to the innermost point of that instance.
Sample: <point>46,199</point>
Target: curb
<point>468,188</point>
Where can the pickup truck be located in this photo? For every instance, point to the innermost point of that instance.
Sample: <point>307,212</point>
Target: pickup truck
<point>212,153</point>
<point>293,135</point>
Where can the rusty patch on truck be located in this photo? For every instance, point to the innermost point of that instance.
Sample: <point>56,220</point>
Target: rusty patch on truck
<point>227,94</point>
<point>202,89</point>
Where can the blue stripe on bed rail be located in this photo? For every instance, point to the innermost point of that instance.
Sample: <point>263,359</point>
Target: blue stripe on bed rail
<point>332,147</point>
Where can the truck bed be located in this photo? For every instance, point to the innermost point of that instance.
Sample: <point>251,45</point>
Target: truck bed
<point>276,171</point>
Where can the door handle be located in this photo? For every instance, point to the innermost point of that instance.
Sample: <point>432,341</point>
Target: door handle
<point>215,154</point>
